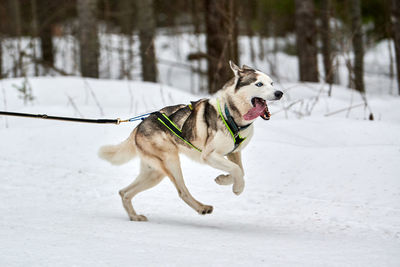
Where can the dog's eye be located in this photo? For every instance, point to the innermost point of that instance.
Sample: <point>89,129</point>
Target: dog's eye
<point>259,84</point>
<point>272,83</point>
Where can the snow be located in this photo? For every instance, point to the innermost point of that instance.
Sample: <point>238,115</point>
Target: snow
<point>320,190</point>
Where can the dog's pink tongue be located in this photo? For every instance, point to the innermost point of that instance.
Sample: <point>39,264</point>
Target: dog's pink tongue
<point>256,111</point>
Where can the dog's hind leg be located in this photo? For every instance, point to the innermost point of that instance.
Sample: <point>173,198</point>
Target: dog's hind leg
<point>227,179</point>
<point>147,178</point>
<point>172,168</point>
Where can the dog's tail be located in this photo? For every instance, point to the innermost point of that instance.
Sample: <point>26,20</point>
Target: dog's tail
<point>121,153</point>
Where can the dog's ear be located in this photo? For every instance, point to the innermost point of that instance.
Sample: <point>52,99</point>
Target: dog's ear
<point>234,68</point>
<point>245,67</point>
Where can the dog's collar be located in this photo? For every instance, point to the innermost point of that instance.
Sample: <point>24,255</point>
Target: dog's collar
<point>232,127</point>
<point>231,122</point>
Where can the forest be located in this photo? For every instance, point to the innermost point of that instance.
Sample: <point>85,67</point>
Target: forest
<point>116,39</point>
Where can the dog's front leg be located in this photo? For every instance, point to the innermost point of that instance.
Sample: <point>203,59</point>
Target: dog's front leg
<point>233,168</point>
<point>227,179</point>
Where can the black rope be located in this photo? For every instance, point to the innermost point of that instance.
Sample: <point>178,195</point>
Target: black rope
<point>47,117</point>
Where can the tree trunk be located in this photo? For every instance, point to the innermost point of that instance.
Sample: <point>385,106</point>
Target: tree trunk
<point>248,16</point>
<point>147,25</point>
<point>222,45</point>
<point>306,33</point>
<point>15,10</point>
<point>35,34</point>
<point>195,15</point>
<point>326,40</point>
<point>395,17</point>
<point>355,11</point>
<point>45,13</point>
<point>88,38</point>
<point>1,56</point>
<point>125,18</point>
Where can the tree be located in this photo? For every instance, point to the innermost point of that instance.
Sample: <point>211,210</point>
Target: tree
<point>358,69</point>
<point>395,18</point>
<point>45,16</point>
<point>147,24</point>
<point>1,56</point>
<point>306,40</point>
<point>88,39</point>
<point>125,19</point>
<point>222,45</point>
<point>326,40</point>
<point>15,10</point>
<point>35,33</point>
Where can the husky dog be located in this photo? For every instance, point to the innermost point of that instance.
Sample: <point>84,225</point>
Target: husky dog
<point>212,131</point>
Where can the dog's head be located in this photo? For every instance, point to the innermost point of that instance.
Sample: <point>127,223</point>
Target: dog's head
<point>251,90</point>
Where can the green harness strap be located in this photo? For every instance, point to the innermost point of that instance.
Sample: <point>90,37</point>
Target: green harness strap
<point>167,122</point>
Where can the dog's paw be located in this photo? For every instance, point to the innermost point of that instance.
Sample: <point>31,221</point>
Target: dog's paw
<point>224,179</point>
<point>121,193</point>
<point>138,218</point>
<point>238,187</point>
<point>205,209</point>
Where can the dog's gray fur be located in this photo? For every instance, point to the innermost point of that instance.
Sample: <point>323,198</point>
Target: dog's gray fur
<point>158,148</point>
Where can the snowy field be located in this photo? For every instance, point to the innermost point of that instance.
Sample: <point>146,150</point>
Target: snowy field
<point>320,190</point>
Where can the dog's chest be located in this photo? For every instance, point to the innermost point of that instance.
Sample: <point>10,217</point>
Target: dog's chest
<point>246,134</point>
<point>226,143</point>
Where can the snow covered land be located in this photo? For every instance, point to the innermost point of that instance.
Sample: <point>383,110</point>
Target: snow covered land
<point>320,191</point>
<point>322,182</point>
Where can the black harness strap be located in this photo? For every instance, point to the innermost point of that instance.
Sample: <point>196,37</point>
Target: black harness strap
<point>235,128</point>
<point>44,116</point>
<point>232,127</point>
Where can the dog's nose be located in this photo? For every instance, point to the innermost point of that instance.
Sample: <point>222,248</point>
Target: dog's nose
<point>278,94</point>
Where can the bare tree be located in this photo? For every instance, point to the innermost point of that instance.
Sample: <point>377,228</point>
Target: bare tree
<point>306,33</point>
<point>326,40</point>
<point>395,17</point>
<point>147,24</point>
<point>355,12</point>
<point>222,45</point>
<point>88,38</point>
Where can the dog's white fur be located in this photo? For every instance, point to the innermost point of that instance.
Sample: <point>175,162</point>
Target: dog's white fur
<point>159,153</point>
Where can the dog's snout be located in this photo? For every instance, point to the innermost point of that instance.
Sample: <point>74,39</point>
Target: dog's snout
<point>278,94</point>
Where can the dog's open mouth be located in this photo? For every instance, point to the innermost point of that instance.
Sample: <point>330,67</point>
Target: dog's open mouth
<point>259,108</point>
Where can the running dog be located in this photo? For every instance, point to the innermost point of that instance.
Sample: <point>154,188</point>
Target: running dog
<point>212,131</point>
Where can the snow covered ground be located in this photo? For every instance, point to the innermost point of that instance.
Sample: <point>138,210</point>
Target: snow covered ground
<point>320,191</point>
